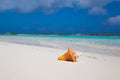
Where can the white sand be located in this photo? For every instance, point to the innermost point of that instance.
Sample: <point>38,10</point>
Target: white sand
<point>25,62</point>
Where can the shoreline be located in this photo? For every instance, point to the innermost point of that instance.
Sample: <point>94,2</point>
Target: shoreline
<point>25,62</point>
<point>7,41</point>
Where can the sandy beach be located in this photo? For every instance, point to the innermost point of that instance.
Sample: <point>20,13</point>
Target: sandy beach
<point>26,62</point>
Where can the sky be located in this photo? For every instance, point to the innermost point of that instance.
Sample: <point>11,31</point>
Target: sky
<point>60,16</point>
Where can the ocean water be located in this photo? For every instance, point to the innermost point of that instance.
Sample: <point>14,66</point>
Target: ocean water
<point>109,45</point>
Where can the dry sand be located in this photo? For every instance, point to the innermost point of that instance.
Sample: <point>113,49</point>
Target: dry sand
<point>25,62</point>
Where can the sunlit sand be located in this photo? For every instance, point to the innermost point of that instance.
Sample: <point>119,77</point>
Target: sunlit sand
<point>25,62</point>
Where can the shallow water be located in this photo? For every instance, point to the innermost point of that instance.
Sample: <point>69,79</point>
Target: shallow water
<point>109,45</point>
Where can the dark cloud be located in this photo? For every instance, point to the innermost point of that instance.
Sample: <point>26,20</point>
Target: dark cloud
<point>50,5</point>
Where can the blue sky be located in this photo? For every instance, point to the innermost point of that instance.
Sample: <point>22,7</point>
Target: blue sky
<point>60,16</point>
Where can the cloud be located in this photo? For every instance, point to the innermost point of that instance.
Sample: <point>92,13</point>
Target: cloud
<point>97,10</point>
<point>114,20</point>
<point>49,5</point>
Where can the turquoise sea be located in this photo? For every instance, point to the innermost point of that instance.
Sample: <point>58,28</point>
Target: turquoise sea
<point>109,45</point>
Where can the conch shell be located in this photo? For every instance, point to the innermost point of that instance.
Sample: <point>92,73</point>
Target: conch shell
<point>69,56</point>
